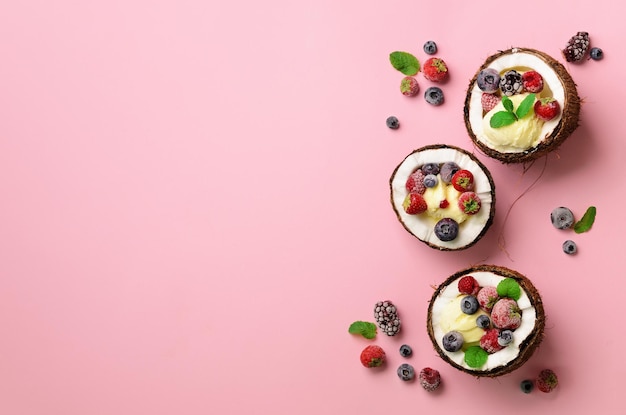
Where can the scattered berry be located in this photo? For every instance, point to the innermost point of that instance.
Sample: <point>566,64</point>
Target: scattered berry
<point>469,304</point>
<point>511,83</point>
<point>506,314</point>
<point>387,317</point>
<point>430,47</point>
<point>393,123</point>
<point>430,168</point>
<point>406,372</point>
<point>409,86</point>
<point>576,47</point>
<point>488,80</point>
<point>405,350</point>
<point>430,180</point>
<point>463,180</point>
<point>447,171</point>
<point>452,341</point>
<point>527,386</point>
<point>547,108</point>
<point>547,381</point>
<point>434,96</point>
<point>415,182</point>
<point>489,101</point>
<point>489,341</point>
<point>569,247</point>
<point>430,379</point>
<point>532,81</point>
<point>446,229</point>
<point>444,204</point>
<point>562,218</point>
<point>373,356</point>
<point>487,297</point>
<point>469,203</point>
<point>468,285</point>
<point>483,321</point>
<point>596,54</point>
<point>505,338</point>
<point>414,204</point>
<point>435,70</point>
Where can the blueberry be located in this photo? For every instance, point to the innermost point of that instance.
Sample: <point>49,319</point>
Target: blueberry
<point>434,95</point>
<point>505,337</point>
<point>406,372</point>
<point>446,229</point>
<point>452,341</point>
<point>393,123</point>
<point>469,304</point>
<point>488,80</point>
<point>430,47</point>
<point>430,168</point>
<point>595,53</point>
<point>483,321</point>
<point>569,247</point>
<point>430,180</point>
<point>405,350</point>
<point>526,386</point>
<point>447,171</point>
<point>562,218</point>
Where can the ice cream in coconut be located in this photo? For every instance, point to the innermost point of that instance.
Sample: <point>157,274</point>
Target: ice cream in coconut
<point>520,105</point>
<point>444,196</point>
<point>486,321</point>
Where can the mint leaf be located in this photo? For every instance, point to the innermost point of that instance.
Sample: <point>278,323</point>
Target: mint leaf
<point>501,119</point>
<point>404,62</point>
<point>364,328</point>
<point>508,104</point>
<point>508,287</point>
<point>584,224</point>
<point>475,356</point>
<point>525,106</point>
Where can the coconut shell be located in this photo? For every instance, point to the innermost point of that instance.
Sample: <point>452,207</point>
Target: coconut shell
<point>568,123</point>
<point>492,212</point>
<point>527,347</point>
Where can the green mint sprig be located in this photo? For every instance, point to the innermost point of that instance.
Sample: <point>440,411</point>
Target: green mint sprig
<point>585,223</point>
<point>404,62</point>
<point>364,328</point>
<point>508,117</point>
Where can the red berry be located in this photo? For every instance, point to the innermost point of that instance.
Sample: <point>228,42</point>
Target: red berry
<point>463,180</point>
<point>469,203</point>
<point>414,204</point>
<point>489,101</point>
<point>435,70</point>
<point>444,204</point>
<point>489,341</point>
<point>430,379</point>
<point>468,285</point>
<point>409,86</point>
<point>487,297</point>
<point>506,314</point>
<point>547,381</point>
<point>373,356</point>
<point>532,81</point>
<point>547,108</point>
<point>415,182</point>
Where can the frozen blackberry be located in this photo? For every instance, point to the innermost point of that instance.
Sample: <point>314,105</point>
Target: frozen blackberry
<point>387,318</point>
<point>430,47</point>
<point>511,83</point>
<point>405,350</point>
<point>576,47</point>
<point>393,123</point>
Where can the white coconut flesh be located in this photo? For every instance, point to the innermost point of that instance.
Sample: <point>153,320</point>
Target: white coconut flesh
<point>422,225</point>
<point>521,62</point>
<point>497,359</point>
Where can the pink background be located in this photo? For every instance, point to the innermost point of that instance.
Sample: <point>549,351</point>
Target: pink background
<point>195,206</point>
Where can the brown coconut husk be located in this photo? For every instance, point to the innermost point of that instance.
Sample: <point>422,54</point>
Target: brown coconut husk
<point>527,347</point>
<point>567,125</point>
<point>485,171</point>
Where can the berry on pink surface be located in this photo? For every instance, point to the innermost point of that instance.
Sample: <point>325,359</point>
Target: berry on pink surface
<point>373,356</point>
<point>547,381</point>
<point>409,86</point>
<point>430,379</point>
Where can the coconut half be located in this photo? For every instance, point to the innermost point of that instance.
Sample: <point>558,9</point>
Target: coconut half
<point>526,338</point>
<point>557,84</point>
<point>422,226</point>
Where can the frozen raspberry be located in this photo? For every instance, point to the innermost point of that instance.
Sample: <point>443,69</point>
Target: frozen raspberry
<point>430,379</point>
<point>487,297</point>
<point>489,341</point>
<point>532,81</point>
<point>489,101</point>
<point>468,285</point>
<point>506,314</point>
